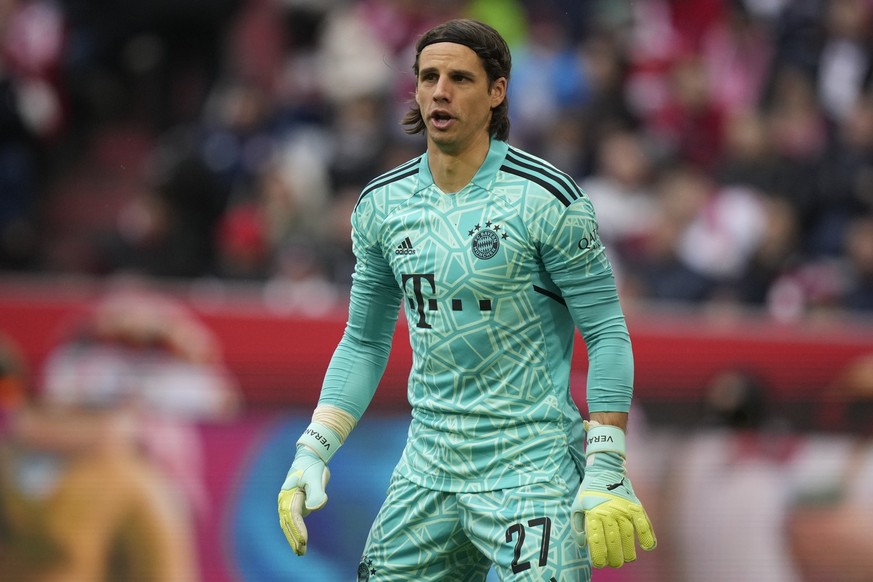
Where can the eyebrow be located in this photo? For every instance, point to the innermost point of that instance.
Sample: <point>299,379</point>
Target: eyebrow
<point>465,72</point>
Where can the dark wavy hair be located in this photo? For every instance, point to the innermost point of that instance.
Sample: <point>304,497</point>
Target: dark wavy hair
<point>494,53</point>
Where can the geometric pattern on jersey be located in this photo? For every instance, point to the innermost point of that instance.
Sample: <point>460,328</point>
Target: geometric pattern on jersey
<point>490,276</point>
<point>426,535</point>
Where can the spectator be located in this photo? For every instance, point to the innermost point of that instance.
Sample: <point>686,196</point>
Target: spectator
<point>142,352</point>
<point>622,190</point>
<point>776,254</point>
<point>737,52</point>
<point>730,494</point>
<point>549,79</point>
<point>846,190</point>
<point>59,519</point>
<point>165,226</point>
<point>798,133</point>
<point>33,116</point>
<point>832,500</point>
<point>691,122</point>
<point>844,63</point>
<point>605,61</point>
<point>242,246</point>
<point>658,271</point>
<point>858,295</point>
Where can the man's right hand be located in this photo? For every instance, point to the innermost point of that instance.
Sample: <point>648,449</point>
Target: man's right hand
<point>301,493</point>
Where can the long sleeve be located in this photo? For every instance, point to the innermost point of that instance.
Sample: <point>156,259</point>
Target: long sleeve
<point>577,263</point>
<point>360,358</point>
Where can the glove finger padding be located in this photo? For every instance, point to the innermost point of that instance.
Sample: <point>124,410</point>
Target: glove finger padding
<point>610,539</point>
<point>302,493</point>
<point>626,533</point>
<point>291,519</point>
<point>595,539</point>
<point>609,529</point>
<point>643,527</point>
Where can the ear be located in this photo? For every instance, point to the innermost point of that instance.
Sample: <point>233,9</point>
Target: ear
<point>498,91</point>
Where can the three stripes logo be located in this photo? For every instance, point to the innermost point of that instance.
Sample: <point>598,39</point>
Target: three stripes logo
<point>405,248</point>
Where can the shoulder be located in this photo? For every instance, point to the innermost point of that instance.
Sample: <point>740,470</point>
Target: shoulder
<point>398,183</point>
<point>543,181</point>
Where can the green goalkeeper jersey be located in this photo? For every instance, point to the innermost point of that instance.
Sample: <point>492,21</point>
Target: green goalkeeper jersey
<point>494,280</point>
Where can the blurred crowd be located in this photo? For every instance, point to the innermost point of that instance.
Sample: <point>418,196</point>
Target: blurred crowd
<point>102,465</point>
<point>741,495</point>
<point>727,145</point>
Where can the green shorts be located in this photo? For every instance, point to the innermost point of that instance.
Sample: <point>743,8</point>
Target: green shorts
<point>421,535</point>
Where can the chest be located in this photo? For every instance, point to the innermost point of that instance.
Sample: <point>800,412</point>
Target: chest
<point>449,246</point>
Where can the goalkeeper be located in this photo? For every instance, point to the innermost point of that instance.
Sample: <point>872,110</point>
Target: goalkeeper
<point>495,256</point>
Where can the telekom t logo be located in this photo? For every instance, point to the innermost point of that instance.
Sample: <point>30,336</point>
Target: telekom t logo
<point>420,305</point>
<point>416,300</point>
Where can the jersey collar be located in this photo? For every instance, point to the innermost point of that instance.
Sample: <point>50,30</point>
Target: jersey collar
<point>484,176</point>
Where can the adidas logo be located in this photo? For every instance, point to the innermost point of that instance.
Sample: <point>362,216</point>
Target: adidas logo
<point>405,248</point>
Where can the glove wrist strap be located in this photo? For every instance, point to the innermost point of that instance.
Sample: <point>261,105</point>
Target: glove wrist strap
<point>604,438</point>
<point>320,439</point>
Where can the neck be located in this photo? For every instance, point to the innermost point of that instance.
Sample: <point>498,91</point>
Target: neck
<point>453,170</point>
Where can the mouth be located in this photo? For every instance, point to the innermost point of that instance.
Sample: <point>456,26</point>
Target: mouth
<point>440,119</point>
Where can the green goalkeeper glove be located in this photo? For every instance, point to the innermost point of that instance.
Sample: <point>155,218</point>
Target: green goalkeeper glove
<point>606,511</point>
<point>304,488</point>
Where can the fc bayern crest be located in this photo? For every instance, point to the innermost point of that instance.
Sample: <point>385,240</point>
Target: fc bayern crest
<point>486,241</point>
<point>365,569</point>
<point>485,244</point>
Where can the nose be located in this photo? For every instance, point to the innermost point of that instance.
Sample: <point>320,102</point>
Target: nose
<point>441,89</point>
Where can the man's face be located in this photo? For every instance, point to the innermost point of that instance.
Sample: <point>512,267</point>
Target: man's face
<point>453,95</point>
